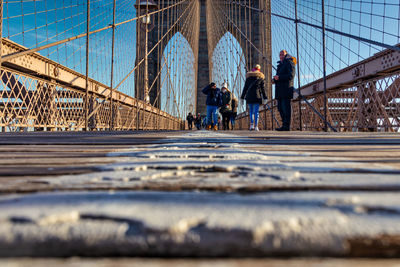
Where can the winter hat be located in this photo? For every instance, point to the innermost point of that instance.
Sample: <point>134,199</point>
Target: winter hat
<point>225,85</point>
<point>256,67</point>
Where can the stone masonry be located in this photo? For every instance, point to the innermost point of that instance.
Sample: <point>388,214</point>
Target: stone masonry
<point>259,36</point>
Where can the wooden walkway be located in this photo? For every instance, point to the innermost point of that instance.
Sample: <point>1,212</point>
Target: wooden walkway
<point>26,157</point>
<point>252,193</point>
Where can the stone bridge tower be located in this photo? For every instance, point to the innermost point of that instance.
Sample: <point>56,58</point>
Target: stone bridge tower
<point>260,37</point>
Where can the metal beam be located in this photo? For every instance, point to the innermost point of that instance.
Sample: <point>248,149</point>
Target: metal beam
<point>33,50</point>
<point>379,65</point>
<point>40,67</point>
<point>358,38</point>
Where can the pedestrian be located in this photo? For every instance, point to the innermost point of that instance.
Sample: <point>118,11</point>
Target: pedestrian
<point>254,93</point>
<point>284,81</point>
<point>204,122</point>
<point>234,105</point>
<point>198,121</point>
<point>226,108</point>
<point>190,119</point>
<point>213,102</point>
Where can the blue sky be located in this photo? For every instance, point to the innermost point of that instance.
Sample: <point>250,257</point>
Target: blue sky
<point>377,20</point>
<point>46,21</point>
<point>228,65</point>
<point>178,56</point>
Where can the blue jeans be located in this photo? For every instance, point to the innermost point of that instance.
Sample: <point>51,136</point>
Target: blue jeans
<point>212,115</point>
<point>253,110</point>
<point>233,118</point>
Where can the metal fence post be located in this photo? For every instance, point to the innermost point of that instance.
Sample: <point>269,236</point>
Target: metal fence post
<point>87,67</point>
<point>298,63</point>
<point>3,128</point>
<point>112,71</point>
<point>268,55</point>
<point>324,65</point>
<point>1,30</point>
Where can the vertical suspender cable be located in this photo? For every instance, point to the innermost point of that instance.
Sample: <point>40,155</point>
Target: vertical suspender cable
<point>298,63</point>
<point>1,29</point>
<point>137,77</point>
<point>1,40</point>
<point>268,69</point>
<point>112,71</point>
<point>87,66</point>
<point>324,65</point>
<point>158,85</point>
<point>146,97</point>
<point>251,38</point>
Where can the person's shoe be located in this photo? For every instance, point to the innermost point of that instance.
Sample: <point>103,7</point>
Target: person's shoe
<point>215,128</point>
<point>282,129</point>
<point>209,127</point>
<point>256,129</point>
<point>251,127</point>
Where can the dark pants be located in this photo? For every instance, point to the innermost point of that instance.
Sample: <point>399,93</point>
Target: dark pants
<point>198,125</point>
<point>226,117</point>
<point>285,110</point>
<point>233,118</point>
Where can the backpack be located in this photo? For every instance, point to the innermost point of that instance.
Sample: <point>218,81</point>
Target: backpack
<point>234,103</point>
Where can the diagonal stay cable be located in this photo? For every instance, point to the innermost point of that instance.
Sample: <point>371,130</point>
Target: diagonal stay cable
<point>139,63</point>
<point>30,51</point>
<point>154,47</point>
<point>251,43</point>
<point>256,50</point>
<point>391,47</point>
<point>184,29</point>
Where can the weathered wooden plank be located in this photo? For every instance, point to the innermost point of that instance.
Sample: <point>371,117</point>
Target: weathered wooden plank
<point>153,262</point>
<point>66,156</point>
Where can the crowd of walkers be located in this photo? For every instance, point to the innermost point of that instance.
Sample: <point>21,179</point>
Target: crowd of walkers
<point>200,122</point>
<point>222,100</point>
<point>254,92</point>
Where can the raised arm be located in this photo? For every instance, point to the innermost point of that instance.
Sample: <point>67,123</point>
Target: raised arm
<point>206,89</point>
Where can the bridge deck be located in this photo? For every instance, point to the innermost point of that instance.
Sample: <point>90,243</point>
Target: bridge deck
<point>176,193</point>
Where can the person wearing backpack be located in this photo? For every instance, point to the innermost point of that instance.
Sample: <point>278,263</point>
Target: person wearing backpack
<point>213,102</point>
<point>190,120</point>
<point>197,121</point>
<point>234,105</point>
<point>226,108</point>
<point>284,81</point>
<point>254,93</point>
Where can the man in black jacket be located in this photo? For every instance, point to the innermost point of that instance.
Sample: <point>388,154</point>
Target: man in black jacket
<point>213,102</point>
<point>190,120</point>
<point>283,81</point>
